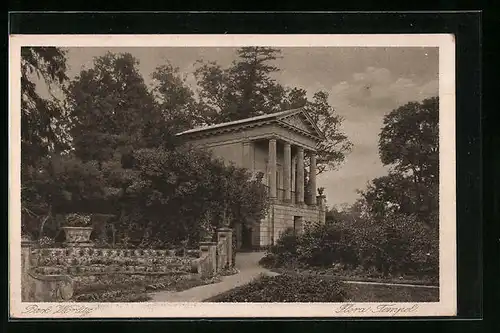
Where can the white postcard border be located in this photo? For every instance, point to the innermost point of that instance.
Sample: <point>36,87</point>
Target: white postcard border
<point>448,302</point>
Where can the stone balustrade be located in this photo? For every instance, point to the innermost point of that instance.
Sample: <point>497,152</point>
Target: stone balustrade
<point>50,274</point>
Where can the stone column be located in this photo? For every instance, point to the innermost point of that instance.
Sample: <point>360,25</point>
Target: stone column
<point>312,176</point>
<point>300,175</point>
<point>247,155</point>
<point>287,168</point>
<point>272,168</point>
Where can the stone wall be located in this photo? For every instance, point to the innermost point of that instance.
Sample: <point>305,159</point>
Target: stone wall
<point>283,216</point>
<point>52,274</point>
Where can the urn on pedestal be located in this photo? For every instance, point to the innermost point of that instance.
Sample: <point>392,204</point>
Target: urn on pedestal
<point>78,228</point>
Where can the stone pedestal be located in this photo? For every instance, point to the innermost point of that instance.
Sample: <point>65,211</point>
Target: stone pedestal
<point>226,234</point>
<point>209,251</point>
<point>27,287</point>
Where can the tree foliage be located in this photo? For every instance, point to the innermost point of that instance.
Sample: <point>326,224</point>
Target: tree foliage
<point>243,90</point>
<point>247,88</point>
<point>114,110</point>
<point>126,162</point>
<point>124,157</point>
<point>409,143</point>
<point>44,125</point>
<point>43,120</point>
<point>191,186</point>
<point>332,151</point>
<point>409,140</point>
<point>176,99</point>
<point>59,185</point>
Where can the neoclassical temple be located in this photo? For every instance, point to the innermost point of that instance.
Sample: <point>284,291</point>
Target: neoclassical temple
<point>280,145</point>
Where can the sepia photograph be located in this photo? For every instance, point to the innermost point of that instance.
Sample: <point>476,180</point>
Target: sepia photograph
<point>219,176</point>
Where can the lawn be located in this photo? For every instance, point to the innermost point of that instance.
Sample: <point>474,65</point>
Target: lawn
<point>300,288</point>
<point>380,293</point>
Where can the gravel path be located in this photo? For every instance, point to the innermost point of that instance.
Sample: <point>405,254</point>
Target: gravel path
<point>249,269</point>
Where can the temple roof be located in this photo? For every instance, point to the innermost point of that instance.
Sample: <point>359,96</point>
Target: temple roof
<point>297,119</point>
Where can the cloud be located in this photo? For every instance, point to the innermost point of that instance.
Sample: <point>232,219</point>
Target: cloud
<point>378,90</point>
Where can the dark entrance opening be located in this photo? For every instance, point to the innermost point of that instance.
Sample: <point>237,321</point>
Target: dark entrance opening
<point>297,224</point>
<point>246,237</point>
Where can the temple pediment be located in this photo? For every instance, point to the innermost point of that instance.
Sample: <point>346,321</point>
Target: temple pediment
<point>301,122</point>
<point>296,120</point>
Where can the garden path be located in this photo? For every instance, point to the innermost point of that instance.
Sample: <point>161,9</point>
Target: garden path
<point>249,269</point>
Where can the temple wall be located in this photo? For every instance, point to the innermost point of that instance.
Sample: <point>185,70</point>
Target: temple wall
<point>282,217</point>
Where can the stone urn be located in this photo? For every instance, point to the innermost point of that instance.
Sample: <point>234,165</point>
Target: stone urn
<point>78,236</point>
<point>78,229</point>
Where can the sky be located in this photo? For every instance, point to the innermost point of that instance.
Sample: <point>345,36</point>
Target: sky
<point>364,84</point>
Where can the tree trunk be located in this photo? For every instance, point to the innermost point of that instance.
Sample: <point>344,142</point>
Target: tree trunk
<point>46,218</point>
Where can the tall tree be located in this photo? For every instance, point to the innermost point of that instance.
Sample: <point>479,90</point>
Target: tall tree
<point>393,193</point>
<point>113,109</point>
<point>43,120</point>
<point>176,99</point>
<point>409,143</point>
<point>409,140</point>
<point>243,90</point>
<point>114,114</point>
<point>247,89</point>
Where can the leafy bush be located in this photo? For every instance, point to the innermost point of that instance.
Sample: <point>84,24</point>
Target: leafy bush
<point>190,185</point>
<point>283,252</point>
<point>285,288</point>
<point>401,245</point>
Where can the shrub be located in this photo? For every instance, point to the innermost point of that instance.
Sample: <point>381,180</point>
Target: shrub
<point>287,243</point>
<point>318,245</point>
<point>284,252</point>
<point>399,246</point>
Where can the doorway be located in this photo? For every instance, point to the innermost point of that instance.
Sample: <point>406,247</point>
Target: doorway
<point>297,224</point>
